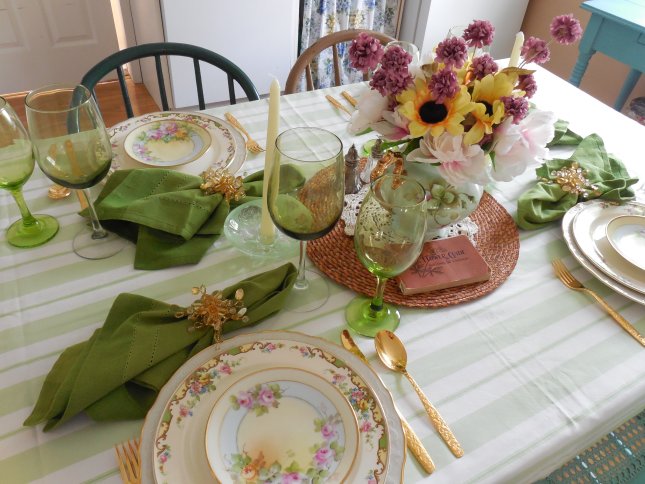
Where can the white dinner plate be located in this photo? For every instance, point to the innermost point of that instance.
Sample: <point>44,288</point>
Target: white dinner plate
<point>186,142</point>
<point>173,435</point>
<point>626,234</point>
<point>567,222</point>
<point>590,233</point>
<point>286,418</point>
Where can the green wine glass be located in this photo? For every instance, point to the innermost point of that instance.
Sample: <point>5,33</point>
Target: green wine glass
<point>16,166</point>
<point>73,149</point>
<point>305,197</point>
<point>388,239</point>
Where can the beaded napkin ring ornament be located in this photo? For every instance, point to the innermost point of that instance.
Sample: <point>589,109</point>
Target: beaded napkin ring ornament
<point>214,310</point>
<point>573,179</point>
<point>221,181</point>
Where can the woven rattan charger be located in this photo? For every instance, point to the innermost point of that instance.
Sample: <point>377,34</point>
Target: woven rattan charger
<point>497,241</point>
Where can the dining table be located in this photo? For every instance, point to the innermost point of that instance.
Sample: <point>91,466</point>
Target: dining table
<point>526,376</point>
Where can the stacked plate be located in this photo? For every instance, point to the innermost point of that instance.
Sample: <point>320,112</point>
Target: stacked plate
<point>273,406</point>
<point>186,142</point>
<point>608,239</point>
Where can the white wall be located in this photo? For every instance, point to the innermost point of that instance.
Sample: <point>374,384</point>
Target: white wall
<point>426,22</point>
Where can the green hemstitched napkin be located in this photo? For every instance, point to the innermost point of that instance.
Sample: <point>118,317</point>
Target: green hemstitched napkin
<point>119,371</point>
<point>601,175</point>
<point>171,220</point>
<point>563,135</point>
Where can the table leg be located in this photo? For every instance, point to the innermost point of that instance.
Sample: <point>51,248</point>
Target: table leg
<point>580,67</point>
<point>628,86</point>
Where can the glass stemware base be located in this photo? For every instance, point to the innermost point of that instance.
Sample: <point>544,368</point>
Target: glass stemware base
<point>21,234</point>
<point>366,321</point>
<point>91,245</point>
<point>242,229</point>
<point>304,298</point>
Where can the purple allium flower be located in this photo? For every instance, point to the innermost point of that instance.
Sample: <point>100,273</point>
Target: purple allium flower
<point>535,50</point>
<point>483,65</point>
<point>516,107</point>
<point>365,52</point>
<point>444,85</point>
<point>528,85</point>
<point>565,29</point>
<point>452,52</point>
<point>390,82</point>
<point>479,33</point>
<point>395,59</point>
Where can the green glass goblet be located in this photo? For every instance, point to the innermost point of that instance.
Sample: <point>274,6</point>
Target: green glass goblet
<point>388,239</point>
<point>16,166</point>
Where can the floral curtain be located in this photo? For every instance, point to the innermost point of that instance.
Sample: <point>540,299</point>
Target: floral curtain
<point>322,17</point>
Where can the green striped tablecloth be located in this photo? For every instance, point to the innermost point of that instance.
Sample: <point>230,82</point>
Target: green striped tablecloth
<point>526,377</point>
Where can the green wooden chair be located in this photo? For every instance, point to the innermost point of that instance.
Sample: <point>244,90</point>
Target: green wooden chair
<point>156,50</point>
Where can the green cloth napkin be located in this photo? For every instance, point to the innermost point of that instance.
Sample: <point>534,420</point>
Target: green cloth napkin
<point>166,214</point>
<point>547,201</point>
<point>563,135</point>
<point>119,371</point>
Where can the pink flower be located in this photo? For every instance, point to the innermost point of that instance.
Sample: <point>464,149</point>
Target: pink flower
<point>452,52</point>
<point>291,478</point>
<point>358,394</point>
<point>365,427</point>
<point>565,29</point>
<point>196,386</point>
<point>395,59</point>
<point>184,411</point>
<point>322,456</point>
<point>365,52</point>
<point>459,163</point>
<point>535,50</point>
<point>518,146</point>
<point>245,399</point>
<point>515,107</point>
<point>371,105</point>
<point>483,65</point>
<point>444,85</point>
<point>225,368</point>
<point>163,458</point>
<point>328,431</point>
<point>528,85</point>
<point>479,33</point>
<point>266,396</point>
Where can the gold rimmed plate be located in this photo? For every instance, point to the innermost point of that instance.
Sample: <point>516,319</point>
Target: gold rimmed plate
<point>182,141</point>
<point>626,234</point>
<point>174,445</point>
<point>286,423</point>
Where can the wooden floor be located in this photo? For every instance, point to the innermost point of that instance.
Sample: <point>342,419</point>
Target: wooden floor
<point>110,101</point>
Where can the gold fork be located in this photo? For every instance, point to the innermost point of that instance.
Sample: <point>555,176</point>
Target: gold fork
<point>251,144</point>
<point>572,283</point>
<point>129,460</point>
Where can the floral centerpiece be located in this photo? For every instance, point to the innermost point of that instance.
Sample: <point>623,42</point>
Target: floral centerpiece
<point>457,111</point>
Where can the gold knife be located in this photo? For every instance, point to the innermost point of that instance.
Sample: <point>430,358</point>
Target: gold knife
<point>411,439</point>
<point>338,105</point>
<point>350,98</point>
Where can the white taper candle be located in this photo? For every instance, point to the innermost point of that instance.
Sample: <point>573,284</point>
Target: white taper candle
<point>267,229</point>
<point>517,48</point>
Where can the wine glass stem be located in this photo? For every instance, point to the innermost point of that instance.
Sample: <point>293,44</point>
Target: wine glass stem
<point>301,281</point>
<point>377,301</point>
<point>98,232</point>
<point>27,218</point>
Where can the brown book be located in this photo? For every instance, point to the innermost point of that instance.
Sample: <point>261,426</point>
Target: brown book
<point>445,263</point>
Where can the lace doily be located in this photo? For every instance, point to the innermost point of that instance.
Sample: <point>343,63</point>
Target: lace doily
<point>353,203</point>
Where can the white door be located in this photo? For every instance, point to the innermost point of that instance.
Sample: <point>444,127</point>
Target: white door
<point>47,41</point>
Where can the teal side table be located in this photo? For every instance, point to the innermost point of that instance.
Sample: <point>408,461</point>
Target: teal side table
<point>617,29</point>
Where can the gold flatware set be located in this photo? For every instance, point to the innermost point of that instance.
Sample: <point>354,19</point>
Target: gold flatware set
<point>128,457</point>
<point>251,144</point>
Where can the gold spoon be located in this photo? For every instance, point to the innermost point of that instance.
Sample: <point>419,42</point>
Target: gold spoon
<point>392,353</point>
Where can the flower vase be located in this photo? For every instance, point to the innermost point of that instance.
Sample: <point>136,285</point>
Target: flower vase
<point>447,204</point>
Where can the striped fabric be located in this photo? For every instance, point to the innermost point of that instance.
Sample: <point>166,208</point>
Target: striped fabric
<point>527,376</point>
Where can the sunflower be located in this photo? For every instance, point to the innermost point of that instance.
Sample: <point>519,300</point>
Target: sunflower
<point>419,106</point>
<point>489,108</point>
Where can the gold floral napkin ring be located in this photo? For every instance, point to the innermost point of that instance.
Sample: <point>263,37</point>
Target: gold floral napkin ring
<point>573,179</point>
<point>221,181</point>
<point>214,310</point>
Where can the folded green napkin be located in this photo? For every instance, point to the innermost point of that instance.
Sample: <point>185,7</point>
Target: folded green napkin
<point>563,135</point>
<point>548,201</point>
<point>119,371</point>
<point>167,215</point>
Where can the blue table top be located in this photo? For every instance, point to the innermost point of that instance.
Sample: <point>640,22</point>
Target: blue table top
<point>630,13</point>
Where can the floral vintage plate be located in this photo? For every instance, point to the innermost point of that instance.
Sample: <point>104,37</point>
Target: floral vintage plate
<point>173,435</point>
<point>186,142</point>
<point>284,424</point>
<point>626,234</point>
<point>170,142</point>
<point>590,233</point>
<point>567,223</point>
